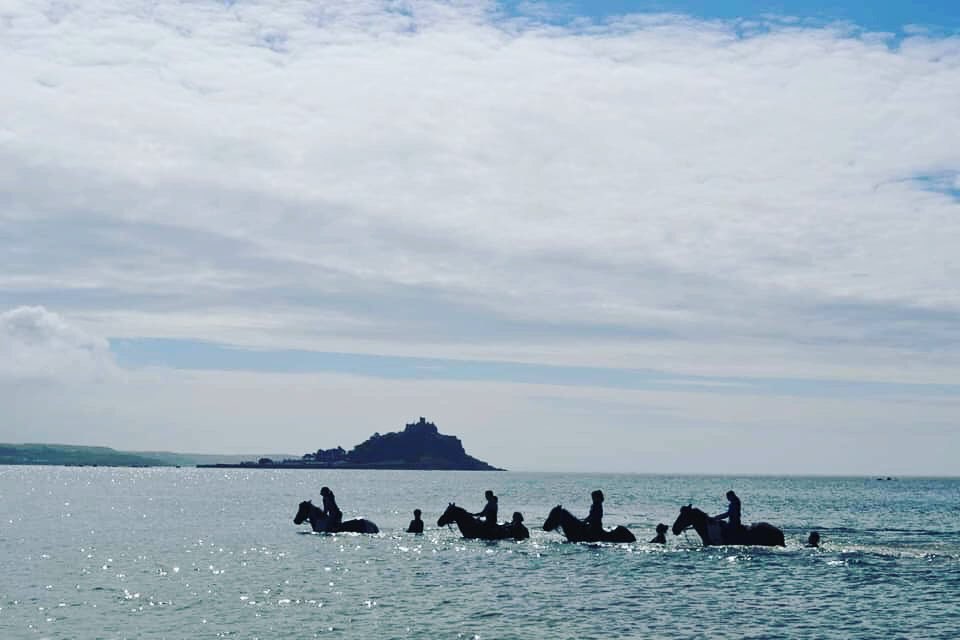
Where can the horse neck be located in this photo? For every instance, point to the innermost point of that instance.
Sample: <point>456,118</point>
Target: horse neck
<point>699,522</point>
<point>315,513</point>
<point>458,514</point>
<point>568,520</point>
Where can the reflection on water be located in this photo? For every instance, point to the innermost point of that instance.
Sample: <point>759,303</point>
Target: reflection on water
<point>187,553</point>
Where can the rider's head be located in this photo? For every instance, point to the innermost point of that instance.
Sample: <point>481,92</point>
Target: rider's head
<point>325,491</point>
<point>731,495</point>
<point>517,517</point>
<point>662,528</point>
<point>488,494</point>
<point>416,513</point>
<point>597,496</point>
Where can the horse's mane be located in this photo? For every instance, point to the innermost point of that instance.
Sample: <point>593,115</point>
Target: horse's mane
<point>562,514</point>
<point>698,513</point>
<point>455,511</point>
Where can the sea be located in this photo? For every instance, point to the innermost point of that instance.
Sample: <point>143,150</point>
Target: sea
<point>214,553</point>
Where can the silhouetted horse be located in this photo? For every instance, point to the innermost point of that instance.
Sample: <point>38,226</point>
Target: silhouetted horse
<point>576,531</point>
<point>471,527</point>
<point>318,520</point>
<point>717,532</point>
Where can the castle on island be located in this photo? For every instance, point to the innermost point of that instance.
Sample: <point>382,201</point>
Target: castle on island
<point>419,446</point>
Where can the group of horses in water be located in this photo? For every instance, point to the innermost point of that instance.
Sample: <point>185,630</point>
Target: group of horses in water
<point>711,530</point>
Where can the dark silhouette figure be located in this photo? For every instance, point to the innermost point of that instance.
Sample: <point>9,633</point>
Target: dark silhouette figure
<point>594,519</point>
<point>661,537</point>
<point>733,511</point>
<point>416,525</point>
<point>712,533</point>
<point>331,510</point>
<point>576,531</point>
<point>320,523</point>
<point>489,511</point>
<point>470,527</point>
<point>516,527</point>
<point>814,540</point>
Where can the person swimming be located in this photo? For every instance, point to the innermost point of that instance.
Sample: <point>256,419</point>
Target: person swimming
<point>814,540</point>
<point>416,525</point>
<point>517,528</point>
<point>661,537</point>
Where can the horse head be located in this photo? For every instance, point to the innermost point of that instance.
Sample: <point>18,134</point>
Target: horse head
<point>684,520</point>
<point>449,515</point>
<point>303,512</point>
<point>553,520</point>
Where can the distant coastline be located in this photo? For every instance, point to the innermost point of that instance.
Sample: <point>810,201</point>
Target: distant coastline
<point>71,455</point>
<point>420,446</point>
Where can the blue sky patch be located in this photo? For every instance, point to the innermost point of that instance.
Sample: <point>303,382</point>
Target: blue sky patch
<point>946,182</point>
<point>938,16</point>
<point>198,355</point>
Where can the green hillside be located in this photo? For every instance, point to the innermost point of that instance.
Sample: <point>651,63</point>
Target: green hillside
<point>73,455</point>
<point>77,455</point>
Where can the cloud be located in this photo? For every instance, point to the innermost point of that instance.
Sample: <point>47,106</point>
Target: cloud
<point>658,173</point>
<point>36,344</point>
<point>451,180</point>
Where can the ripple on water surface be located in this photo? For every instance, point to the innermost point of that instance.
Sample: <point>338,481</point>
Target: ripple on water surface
<point>167,553</point>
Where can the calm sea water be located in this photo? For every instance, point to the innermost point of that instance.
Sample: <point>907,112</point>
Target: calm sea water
<point>202,553</point>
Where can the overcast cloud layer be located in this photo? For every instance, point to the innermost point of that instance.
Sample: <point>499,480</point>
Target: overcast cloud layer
<point>723,199</point>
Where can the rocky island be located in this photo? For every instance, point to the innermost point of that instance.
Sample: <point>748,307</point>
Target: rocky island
<point>419,446</point>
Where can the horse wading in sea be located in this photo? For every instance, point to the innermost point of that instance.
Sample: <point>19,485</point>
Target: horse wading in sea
<point>715,532</point>
<point>575,531</point>
<point>318,520</point>
<point>471,527</point>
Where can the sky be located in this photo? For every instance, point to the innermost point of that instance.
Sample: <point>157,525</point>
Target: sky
<point>643,237</point>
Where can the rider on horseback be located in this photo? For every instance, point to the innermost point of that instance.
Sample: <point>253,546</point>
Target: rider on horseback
<point>594,519</point>
<point>331,510</point>
<point>489,512</point>
<point>732,513</point>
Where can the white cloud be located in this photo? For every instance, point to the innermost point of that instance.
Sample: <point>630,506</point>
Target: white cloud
<point>36,344</point>
<point>442,180</point>
<point>610,175</point>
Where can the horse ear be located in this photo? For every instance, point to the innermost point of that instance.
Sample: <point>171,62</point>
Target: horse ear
<point>690,506</point>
